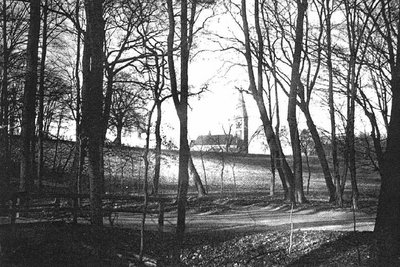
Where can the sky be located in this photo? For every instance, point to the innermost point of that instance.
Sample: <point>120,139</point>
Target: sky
<point>213,110</point>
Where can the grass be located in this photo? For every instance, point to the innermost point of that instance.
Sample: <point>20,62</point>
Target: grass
<point>61,244</point>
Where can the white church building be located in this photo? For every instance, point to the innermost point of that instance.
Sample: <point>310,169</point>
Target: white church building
<point>236,140</point>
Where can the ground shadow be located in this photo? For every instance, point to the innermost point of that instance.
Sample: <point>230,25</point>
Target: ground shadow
<point>355,245</point>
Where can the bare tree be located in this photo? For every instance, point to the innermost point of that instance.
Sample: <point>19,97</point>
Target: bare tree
<point>4,111</point>
<point>181,101</point>
<point>257,92</point>
<point>180,97</point>
<point>294,88</point>
<point>92,104</point>
<point>28,114</point>
<point>335,161</point>
<point>201,192</point>
<point>127,111</point>
<point>41,95</point>
<point>386,21</point>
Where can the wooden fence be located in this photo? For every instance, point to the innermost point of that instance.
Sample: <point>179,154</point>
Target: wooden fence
<point>64,206</point>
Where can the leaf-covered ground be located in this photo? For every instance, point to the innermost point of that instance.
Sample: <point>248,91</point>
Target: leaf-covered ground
<point>82,245</point>
<point>64,244</point>
<point>309,248</point>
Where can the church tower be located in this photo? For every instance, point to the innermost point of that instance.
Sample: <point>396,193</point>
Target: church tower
<point>242,124</point>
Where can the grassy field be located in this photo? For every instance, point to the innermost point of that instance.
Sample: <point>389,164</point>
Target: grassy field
<point>246,181</point>
<point>226,172</point>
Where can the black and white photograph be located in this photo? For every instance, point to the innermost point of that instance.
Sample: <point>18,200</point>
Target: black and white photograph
<point>199,133</point>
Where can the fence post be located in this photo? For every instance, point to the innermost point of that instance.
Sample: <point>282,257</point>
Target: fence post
<point>161,216</point>
<point>75,207</point>
<point>13,211</point>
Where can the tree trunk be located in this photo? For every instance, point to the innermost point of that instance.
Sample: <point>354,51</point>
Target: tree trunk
<point>184,152</point>
<point>157,165</point>
<point>77,72</point>
<point>353,43</point>
<point>350,134</point>
<point>201,192</point>
<point>277,132</point>
<point>55,166</point>
<point>204,169</point>
<point>118,139</point>
<point>183,180</point>
<point>108,100</point>
<point>273,177</point>
<point>335,161</point>
<point>387,228</point>
<point>145,184</point>
<point>41,98</point>
<point>28,112</point>
<point>180,102</point>
<point>320,153</point>
<point>294,91</point>
<point>92,108</point>
<point>309,170</point>
<point>284,170</point>
<point>221,175</point>
<point>4,110</point>
<point>79,155</point>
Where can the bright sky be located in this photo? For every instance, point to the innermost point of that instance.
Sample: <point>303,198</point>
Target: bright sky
<point>215,108</point>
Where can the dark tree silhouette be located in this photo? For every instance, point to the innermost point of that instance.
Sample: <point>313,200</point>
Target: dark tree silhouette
<point>28,113</point>
<point>294,88</point>
<point>180,98</point>
<point>92,104</point>
<point>388,215</point>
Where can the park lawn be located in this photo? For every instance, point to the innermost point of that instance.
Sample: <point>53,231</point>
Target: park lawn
<point>246,182</point>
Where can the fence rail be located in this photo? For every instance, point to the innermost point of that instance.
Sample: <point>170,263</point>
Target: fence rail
<point>73,206</point>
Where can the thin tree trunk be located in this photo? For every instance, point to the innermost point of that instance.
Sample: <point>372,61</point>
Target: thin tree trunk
<point>375,132</point>
<point>108,100</point>
<point>291,117</point>
<point>201,192</point>
<point>77,72</point>
<point>284,170</point>
<point>273,177</point>
<point>181,107</point>
<point>57,142</point>
<point>335,161</point>
<point>4,113</point>
<point>351,95</point>
<point>204,170</point>
<point>319,148</point>
<point>79,156</point>
<point>351,136</point>
<point>234,179</point>
<point>222,172</point>
<point>309,170</point>
<point>28,111</point>
<point>157,164</point>
<point>145,184</point>
<point>118,139</point>
<point>277,131</point>
<point>41,98</point>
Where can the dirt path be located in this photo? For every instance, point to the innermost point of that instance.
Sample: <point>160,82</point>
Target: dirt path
<point>271,217</point>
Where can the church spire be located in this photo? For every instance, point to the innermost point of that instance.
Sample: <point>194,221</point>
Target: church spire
<point>242,123</point>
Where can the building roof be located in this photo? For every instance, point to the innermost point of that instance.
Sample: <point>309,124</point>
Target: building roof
<point>216,140</point>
